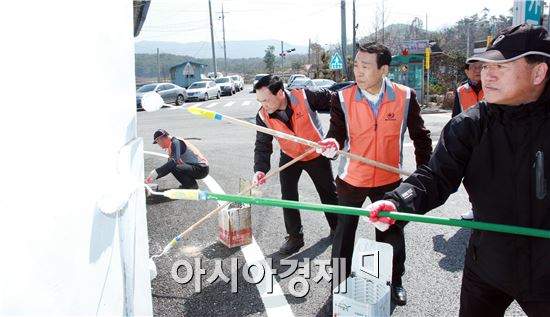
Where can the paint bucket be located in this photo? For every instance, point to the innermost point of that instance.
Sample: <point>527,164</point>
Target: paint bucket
<point>235,221</point>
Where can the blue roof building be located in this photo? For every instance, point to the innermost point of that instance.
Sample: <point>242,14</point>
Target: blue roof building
<point>186,73</point>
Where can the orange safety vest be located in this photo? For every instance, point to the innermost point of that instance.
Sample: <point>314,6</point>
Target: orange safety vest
<point>193,149</point>
<point>304,121</point>
<point>377,138</point>
<point>467,96</point>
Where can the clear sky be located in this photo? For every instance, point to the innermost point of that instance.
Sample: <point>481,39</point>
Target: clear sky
<point>296,21</point>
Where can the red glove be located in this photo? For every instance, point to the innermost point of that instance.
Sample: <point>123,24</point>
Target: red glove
<point>381,223</point>
<point>329,148</point>
<point>152,176</point>
<point>258,179</point>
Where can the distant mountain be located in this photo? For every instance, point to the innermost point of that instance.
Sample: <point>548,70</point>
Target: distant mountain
<point>235,49</point>
<point>395,33</point>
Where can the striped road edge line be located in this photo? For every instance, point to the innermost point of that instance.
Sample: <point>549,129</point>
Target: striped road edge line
<point>275,303</point>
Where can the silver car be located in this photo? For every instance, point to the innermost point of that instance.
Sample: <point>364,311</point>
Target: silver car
<point>323,83</point>
<point>170,93</point>
<point>239,82</point>
<point>203,90</point>
<point>227,85</point>
<point>301,83</point>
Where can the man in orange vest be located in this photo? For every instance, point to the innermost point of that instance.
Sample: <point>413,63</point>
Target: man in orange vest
<point>185,161</point>
<point>466,96</point>
<point>293,112</point>
<point>470,92</point>
<point>370,119</point>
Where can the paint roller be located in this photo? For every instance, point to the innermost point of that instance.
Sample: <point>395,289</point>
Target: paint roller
<point>196,195</point>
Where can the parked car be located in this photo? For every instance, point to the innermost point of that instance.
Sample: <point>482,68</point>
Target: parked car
<point>203,90</point>
<point>239,82</point>
<point>211,75</point>
<point>258,77</point>
<point>292,77</point>
<point>339,86</point>
<point>301,83</point>
<point>323,83</point>
<point>170,93</point>
<point>227,85</point>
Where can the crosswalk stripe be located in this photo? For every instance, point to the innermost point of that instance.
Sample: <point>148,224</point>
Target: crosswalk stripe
<point>246,103</point>
<point>229,104</point>
<point>212,105</point>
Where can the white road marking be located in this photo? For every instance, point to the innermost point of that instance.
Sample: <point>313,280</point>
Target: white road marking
<point>211,105</point>
<point>275,303</point>
<point>446,115</point>
<point>246,103</point>
<point>196,106</point>
<point>229,104</point>
<point>172,107</point>
<point>434,143</point>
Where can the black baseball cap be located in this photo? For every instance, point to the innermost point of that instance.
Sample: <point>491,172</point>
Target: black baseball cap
<point>514,43</point>
<point>158,134</point>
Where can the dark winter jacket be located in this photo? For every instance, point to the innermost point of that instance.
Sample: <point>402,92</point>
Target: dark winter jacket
<point>502,155</point>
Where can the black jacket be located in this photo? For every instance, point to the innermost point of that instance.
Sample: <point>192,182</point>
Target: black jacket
<point>318,100</point>
<point>492,149</point>
<point>179,151</point>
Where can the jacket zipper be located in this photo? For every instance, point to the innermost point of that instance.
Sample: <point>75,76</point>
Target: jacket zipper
<point>540,180</point>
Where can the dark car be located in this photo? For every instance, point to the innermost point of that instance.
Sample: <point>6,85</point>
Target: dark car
<point>339,86</point>
<point>170,93</point>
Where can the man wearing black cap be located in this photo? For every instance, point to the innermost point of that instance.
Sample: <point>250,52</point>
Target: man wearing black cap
<point>185,161</point>
<point>500,149</point>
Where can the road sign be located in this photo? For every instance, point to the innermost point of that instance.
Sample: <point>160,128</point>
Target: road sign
<point>527,11</point>
<point>414,47</point>
<point>335,62</point>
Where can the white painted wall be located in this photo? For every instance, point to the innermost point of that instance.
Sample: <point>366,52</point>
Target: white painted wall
<point>67,110</point>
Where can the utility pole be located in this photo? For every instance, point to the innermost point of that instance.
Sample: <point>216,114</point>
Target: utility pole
<point>427,36</point>
<point>428,69</point>
<point>353,50</point>
<point>309,56</point>
<point>467,39</point>
<point>383,22</point>
<point>282,58</point>
<point>344,41</point>
<point>224,48</point>
<point>158,66</point>
<point>212,40</point>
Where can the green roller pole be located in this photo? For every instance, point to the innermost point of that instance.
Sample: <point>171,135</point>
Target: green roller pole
<point>532,232</point>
